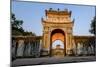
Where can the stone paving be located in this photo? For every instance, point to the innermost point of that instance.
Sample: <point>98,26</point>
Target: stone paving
<point>52,60</point>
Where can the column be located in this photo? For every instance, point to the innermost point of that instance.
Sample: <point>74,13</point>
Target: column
<point>74,48</point>
<point>69,44</point>
<point>13,51</point>
<point>29,48</point>
<point>78,48</point>
<point>40,45</point>
<point>45,44</point>
<point>20,48</point>
<point>33,47</point>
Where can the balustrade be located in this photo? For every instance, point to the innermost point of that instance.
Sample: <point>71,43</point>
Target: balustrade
<point>23,48</point>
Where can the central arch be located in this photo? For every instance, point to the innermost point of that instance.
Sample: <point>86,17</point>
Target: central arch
<point>57,39</point>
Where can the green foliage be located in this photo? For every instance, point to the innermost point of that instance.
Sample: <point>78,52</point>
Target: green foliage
<point>17,27</point>
<point>93,26</point>
<point>16,23</point>
<point>28,34</point>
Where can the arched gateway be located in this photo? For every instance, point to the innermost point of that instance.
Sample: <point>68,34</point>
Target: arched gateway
<point>57,25</point>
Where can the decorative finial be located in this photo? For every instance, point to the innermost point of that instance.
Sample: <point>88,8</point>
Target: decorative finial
<point>66,9</point>
<point>70,12</point>
<point>58,9</point>
<point>50,9</point>
<point>42,18</point>
<point>73,20</point>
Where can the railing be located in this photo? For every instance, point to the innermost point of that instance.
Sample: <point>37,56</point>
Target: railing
<point>85,46</point>
<point>26,47</point>
<point>30,46</point>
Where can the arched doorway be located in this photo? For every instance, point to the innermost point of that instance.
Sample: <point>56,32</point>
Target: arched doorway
<point>57,43</point>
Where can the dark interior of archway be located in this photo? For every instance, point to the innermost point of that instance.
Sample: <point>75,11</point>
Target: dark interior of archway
<point>57,34</point>
<point>57,31</point>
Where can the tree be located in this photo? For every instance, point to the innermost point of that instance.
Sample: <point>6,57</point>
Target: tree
<point>93,31</point>
<point>93,26</point>
<point>29,34</point>
<point>17,27</point>
<point>16,23</point>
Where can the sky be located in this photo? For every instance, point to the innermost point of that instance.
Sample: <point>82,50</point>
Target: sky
<point>58,42</point>
<point>32,12</point>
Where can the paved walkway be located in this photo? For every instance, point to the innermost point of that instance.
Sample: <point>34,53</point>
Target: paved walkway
<point>52,60</point>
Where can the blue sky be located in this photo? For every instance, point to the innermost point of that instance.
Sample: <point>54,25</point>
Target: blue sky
<point>32,12</point>
<point>57,42</point>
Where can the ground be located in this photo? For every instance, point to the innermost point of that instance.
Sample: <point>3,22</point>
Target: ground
<point>51,60</point>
